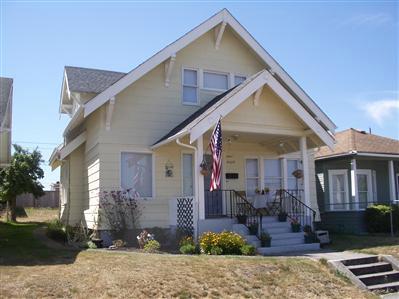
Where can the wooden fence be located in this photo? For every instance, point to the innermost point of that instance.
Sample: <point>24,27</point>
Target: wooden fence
<point>51,199</point>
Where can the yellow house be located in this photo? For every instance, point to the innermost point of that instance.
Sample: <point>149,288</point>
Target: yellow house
<point>155,122</point>
<point>6,87</point>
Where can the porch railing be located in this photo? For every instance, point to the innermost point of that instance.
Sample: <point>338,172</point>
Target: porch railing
<point>230,203</point>
<point>289,201</point>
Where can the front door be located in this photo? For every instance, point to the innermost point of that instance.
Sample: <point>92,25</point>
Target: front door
<point>213,200</point>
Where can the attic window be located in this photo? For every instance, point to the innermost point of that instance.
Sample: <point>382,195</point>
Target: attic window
<point>239,79</point>
<point>216,81</point>
<point>190,87</point>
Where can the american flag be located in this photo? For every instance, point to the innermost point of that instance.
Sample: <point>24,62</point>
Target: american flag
<point>216,149</point>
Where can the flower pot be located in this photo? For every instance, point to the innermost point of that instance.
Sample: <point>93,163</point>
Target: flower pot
<point>296,228</point>
<point>204,172</point>
<point>242,219</point>
<point>282,217</point>
<point>311,238</point>
<point>265,243</point>
<point>253,229</point>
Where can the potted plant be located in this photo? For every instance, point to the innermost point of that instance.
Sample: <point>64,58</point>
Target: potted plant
<point>242,219</point>
<point>298,173</point>
<point>266,190</point>
<point>253,228</point>
<point>265,239</point>
<point>96,239</point>
<point>282,216</point>
<point>257,191</point>
<point>295,226</point>
<point>204,168</point>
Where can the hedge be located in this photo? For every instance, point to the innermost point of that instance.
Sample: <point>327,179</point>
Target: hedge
<point>378,219</point>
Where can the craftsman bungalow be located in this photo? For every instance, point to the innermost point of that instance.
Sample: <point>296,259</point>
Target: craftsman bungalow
<point>148,131</point>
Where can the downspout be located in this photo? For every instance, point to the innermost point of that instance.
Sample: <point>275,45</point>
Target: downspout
<point>196,185</point>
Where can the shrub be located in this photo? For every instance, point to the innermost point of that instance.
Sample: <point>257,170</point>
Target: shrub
<point>216,250</point>
<point>152,246</point>
<point>253,228</point>
<point>378,218</point>
<point>265,239</point>
<point>91,245</point>
<point>188,249</point>
<point>56,231</point>
<point>248,250</point>
<point>228,242</point>
<point>186,241</point>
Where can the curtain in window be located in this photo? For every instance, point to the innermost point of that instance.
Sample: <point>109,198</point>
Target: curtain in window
<point>136,174</point>
<point>252,174</point>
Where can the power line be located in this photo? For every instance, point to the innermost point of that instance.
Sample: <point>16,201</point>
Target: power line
<point>35,142</point>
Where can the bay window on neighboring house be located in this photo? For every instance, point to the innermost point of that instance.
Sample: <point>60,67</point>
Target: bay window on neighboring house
<point>137,174</point>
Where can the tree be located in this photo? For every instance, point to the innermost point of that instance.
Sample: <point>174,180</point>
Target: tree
<point>22,176</point>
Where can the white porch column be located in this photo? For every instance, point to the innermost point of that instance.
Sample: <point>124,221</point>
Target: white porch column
<point>285,173</point>
<point>354,193</point>
<point>200,190</point>
<point>391,175</point>
<point>305,164</point>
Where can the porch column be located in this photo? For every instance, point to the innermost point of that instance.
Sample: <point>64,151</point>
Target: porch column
<point>200,190</point>
<point>354,193</point>
<point>391,175</point>
<point>285,173</point>
<point>305,164</point>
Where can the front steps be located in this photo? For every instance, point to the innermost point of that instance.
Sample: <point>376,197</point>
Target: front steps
<point>283,239</point>
<point>375,273</point>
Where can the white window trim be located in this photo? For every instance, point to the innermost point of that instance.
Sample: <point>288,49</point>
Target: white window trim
<point>370,192</point>
<point>233,83</point>
<point>197,86</point>
<point>140,151</point>
<point>217,73</point>
<point>344,172</point>
<point>181,171</point>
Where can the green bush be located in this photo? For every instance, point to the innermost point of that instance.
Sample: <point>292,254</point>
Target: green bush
<point>91,245</point>
<point>56,231</point>
<point>188,249</point>
<point>152,246</point>
<point>216,250</point>
<point>228,242</point>
<point>248,250</point>
<point>378,218</point>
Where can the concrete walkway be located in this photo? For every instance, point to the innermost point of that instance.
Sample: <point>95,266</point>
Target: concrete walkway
<point>336,255</point>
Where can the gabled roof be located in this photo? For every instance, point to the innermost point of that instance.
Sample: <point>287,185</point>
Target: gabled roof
<point>222,17</point>
<point>352,141</point>
<point>5,98</point>
<point>200,121</point>
<point>81,79</point>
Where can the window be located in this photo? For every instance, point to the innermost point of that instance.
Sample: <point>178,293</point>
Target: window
<point>252,176</point>
<point>272,174</point>
<point>136,174</point>
<point>338,184</point>
<point>292,182</point>
<point>239,79</point>
<point>364,188</point>
<point>216,81</point>
<point>190,87</point>
<point>188,181</point>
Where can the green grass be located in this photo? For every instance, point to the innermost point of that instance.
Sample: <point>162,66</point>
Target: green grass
<point>19,245</point>
<point>373,243</point>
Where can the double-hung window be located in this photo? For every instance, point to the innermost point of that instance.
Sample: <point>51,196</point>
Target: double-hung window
<point>215,81</point>
<point>338,185</point>
<point>252,176</point>
<point>136,174</point>
<point>190,87</point>
<point>239,79</point>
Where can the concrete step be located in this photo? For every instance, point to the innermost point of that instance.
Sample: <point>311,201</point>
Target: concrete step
<point>268,225</point>
<point>278,230</point>
<point>287,236</point>
<point>286,242</point>
<point>385,287</point>
<point>360,261</point>
<point>240,229</point>
<point>370,268</point>
<point>287,249</point>
<point>250,238</point>
<point>379,278</point>
<point>268,219</point>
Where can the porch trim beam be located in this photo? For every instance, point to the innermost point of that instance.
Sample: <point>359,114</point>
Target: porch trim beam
<point>305,166</point>
<point>219,30</point>
<point>391,175</point>
<point>201,185</point>
<point>257,95</point>
<point>354,193</point>
<point>108,117</point>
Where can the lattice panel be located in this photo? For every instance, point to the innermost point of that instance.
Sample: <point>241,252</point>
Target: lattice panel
<point>185,215</point>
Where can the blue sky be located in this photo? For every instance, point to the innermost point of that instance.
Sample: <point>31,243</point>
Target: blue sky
<point>343,54</point>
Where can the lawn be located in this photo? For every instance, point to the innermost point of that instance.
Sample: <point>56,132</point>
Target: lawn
<point>373,244</point>
<point>29,269</point>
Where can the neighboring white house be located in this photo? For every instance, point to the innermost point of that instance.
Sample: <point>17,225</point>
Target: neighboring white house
<point>6,86</point>
<point>154,123</point>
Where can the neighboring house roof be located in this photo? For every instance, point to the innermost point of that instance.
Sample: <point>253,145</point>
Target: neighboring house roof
<point>81,79</point>
<point>5,99</point>
<point>352,141</point>
<point>225,18</point>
